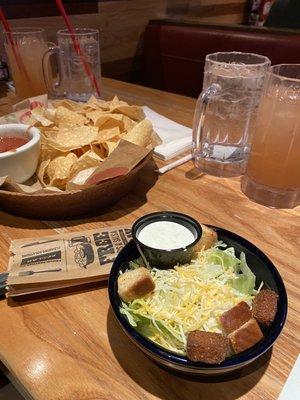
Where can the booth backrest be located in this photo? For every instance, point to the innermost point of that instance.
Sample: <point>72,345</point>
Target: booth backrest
<point>174,55</point>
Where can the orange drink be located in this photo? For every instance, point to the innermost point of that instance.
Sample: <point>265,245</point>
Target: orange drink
<point>27,72</point>
<point>273,171</point>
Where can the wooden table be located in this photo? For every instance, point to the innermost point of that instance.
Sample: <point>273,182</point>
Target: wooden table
<point>69,346</point>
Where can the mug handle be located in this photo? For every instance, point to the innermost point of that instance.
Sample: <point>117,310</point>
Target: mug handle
<point>199,116</point>
<point>52,88</point>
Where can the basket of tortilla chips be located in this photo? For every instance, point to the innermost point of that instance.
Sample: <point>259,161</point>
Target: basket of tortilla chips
<point>91,155</point>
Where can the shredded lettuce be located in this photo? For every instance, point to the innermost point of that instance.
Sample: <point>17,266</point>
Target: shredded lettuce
<point>136,263</point>
<point>244,282</point>
<point>192,296</point>
<point>226,258</point>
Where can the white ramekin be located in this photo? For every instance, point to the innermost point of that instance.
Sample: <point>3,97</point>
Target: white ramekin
<point>21,163</point>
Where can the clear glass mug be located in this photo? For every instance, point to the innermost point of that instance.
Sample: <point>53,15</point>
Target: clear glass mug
<point>25,60</point>
<point>74,80</point>
<point>226,110</point>
<point>272,175</point>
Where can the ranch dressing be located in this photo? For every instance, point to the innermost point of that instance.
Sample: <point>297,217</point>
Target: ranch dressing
<point>166,235</point>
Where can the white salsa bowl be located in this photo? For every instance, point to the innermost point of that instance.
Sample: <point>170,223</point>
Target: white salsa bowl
<point>21,163</point>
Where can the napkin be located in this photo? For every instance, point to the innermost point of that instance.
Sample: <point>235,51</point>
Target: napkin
<point>176,138</point>
<point>290,390</point>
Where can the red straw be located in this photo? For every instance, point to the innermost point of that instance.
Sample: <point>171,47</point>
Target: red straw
<point>77,47</point>
<point>13,46</point>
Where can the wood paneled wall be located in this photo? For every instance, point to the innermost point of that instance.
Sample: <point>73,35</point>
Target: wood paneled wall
<point>46,8</point>
<point>122,23</point>
<point>211,11</point>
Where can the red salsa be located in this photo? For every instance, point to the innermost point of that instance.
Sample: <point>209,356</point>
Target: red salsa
<point>11,143</point>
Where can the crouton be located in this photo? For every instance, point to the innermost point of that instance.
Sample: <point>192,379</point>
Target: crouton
<point>135,284</point>
<point>208,238</point>
<point>264,307</point>
<point>235,317</point>
<point>208,347</point>
<point>246,336</point>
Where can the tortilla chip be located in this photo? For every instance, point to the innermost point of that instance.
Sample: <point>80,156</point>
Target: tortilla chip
<point>66,103</point>
<point>115,102</point>
<point>92,100</point>
<point>128,123</point>
<point>81,150</point>
<point>108,134</point>
<point>66,116</point>
<point>155,140</point>
<point>99,149</point>
<point>50,114</point>
<point>41,172</point>
<point>48,152</point>
<point>134,112</point>
<point>48,133</point>
<point>77,136</point>
<point>87,160</point>
<point>95,115</point>
<point>110,146</point>
<point>141,134</point>
<point>108,121</point>
<point>97,103</point>
<point>72,137</point>
<point>39,114</point>
<point>59,170</point>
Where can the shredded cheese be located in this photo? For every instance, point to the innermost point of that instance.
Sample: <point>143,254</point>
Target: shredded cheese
<point>187,298</point>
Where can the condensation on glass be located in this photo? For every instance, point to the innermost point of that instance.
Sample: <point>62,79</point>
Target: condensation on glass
<point>272,176</point>
<point>226,111</point>
<point>75,69</point>
<point>25,48</point>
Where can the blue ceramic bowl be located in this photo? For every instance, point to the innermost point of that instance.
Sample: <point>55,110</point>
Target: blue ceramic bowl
<point>264,270</point>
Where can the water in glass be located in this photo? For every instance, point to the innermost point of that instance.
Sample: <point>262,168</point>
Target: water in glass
<point>229,117</point>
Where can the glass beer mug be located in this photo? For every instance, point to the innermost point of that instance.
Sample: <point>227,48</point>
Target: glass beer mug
<point>25,48</point>
<point>272,175</point>
<point>74,81</point>
<point>226,110</point>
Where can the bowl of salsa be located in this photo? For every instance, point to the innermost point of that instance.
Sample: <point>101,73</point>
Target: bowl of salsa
<point>19,151</point>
